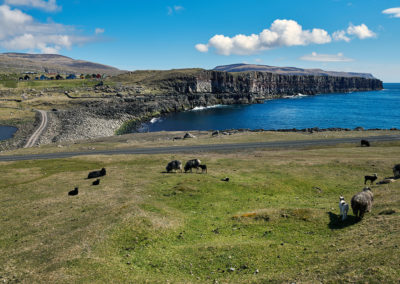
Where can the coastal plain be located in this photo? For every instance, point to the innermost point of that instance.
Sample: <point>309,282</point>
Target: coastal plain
<point>276,220</point>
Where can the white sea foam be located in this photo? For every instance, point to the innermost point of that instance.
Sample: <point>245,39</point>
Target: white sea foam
<point>155,119</point>
<point>298,96</point>
<point>203,108</point>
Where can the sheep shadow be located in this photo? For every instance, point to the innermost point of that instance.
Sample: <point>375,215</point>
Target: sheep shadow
<point>336,223</point>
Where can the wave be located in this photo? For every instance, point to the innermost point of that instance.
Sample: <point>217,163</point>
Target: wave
<point>298,96</point>
<point>155,119</point>
<point>207,107</point>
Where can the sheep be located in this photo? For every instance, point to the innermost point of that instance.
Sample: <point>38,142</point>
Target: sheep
<point>370,178</point>
<point>396,171</point>
<point>96,182</point>
<point>96,174</point>
<point>362,202</point>
<point>344,208</point>
<point>203,168</point>
<point>365,143</point>
<point>174,166</point>
<point>73,192</point>
<point>195,163</point>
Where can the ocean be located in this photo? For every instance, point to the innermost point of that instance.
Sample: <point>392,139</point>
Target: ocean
<point>373,109</point>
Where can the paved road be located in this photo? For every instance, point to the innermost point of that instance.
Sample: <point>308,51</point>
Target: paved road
<point>35,136</point>
<point>204,148</point>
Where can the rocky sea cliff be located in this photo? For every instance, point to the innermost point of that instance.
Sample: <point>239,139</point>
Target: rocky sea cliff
<point>118,110</point>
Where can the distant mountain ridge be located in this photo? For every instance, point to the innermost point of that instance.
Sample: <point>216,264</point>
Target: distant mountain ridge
<point>242,67</point>
<point>51,63</point>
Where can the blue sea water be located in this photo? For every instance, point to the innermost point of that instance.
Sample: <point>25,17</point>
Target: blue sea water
<point>6,132</point>
<point>374,109</point>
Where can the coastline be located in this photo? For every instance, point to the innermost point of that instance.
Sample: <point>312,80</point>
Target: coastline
<point>120,110</point>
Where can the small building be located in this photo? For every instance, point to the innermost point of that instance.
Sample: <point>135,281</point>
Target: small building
<point>43,77</point>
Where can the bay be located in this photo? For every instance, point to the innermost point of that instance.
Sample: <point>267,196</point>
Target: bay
<point>373,109</point>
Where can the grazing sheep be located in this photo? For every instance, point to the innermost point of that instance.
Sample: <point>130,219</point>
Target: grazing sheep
<point>174,166</point>
<point>365,143</point>
<point>203,168</point>
<point>73,192</point>
<point>362,202</point>
<point>225,179</point>
<point>96,182</point>
<point>344,208</point>
<point>370,178</point>
<point>97,174</point>
<point>396,171</point>
<point>195,163</point>
<point>386,181</point>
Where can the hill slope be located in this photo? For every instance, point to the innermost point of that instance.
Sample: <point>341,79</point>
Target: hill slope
<point>23,62</point>
<point>241,67</point>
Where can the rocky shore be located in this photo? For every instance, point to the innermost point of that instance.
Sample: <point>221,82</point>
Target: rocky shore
<point>111,110</point>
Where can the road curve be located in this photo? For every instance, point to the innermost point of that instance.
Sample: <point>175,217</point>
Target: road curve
<point>204,148</point>
<point>35,136</point>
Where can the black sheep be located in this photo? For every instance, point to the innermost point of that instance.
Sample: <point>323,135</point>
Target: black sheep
<point>73,192</point>
<point>96,182</point>
<point>203,168</point>
<point>365,143</point>
<point>97,174</point>
<point>370,178</point>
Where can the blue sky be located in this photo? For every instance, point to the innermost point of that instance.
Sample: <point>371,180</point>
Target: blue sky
<point>341,35</point>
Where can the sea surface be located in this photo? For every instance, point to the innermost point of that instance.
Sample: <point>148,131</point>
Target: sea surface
<point>374,109</point>
<point>6,132</point>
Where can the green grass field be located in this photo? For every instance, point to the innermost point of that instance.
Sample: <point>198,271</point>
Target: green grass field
<point>276,220</point>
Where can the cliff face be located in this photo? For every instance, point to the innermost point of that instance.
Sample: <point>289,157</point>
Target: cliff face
<point>105,114</point>
<point>268,85</point>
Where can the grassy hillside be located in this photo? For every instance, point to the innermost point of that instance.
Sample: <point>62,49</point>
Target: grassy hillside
<point>155,81</point>
<point>25,62</point>
<point>275,220</point>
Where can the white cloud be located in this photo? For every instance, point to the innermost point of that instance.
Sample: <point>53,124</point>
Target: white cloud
<point>326,57</point>
<point>394,12</point>
<point>174,9</point>
<point>361,31</point>
<point>99,31</point>
<point>50,5</point>
<point>340,35</point>
<point>281,33</point>
<point>201,47</point>
<point>20,31</point>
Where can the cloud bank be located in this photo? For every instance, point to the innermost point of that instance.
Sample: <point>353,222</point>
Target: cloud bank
<point>20,31</point>
<point>281,33</point>
<point>394,12</point>
<point>49,5</point>
<point>326,57</point>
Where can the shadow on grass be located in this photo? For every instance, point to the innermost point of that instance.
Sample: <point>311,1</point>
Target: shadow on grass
<point>336,222</point>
